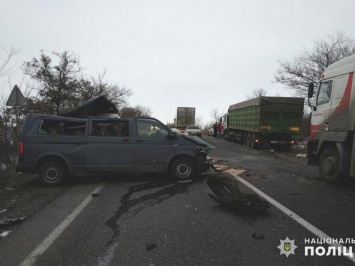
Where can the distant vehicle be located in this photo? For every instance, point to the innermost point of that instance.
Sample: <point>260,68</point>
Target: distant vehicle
<point>264,120</point>
<point>193,130</point>
<point>57,146</point>
<point>332,135</point>
<point>185,116</point>
<point>178,131</point>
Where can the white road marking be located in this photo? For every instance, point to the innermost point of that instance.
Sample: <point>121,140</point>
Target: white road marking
<point>320,234</point>
<point>48,241</point>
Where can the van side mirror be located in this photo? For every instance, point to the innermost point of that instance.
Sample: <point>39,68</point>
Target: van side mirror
<point>310,89</point>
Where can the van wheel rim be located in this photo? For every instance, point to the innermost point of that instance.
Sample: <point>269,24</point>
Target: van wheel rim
<point>183,170</point>
<point>51,174</point>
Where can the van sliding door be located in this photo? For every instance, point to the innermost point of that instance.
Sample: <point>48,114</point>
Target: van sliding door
<point>109,147</point>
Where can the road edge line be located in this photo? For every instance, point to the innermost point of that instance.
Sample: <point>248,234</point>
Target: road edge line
<point>48,241</point>
<point>320,234</point>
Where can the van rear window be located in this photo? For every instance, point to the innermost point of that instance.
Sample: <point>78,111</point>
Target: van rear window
<point>58,127</point>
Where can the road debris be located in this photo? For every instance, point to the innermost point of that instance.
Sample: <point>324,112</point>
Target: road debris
<point>184,181</point>
<point>301,155</point>
<point>5,233</point>
<point>227,193</point>
<point>4,210</point>
<point>280,225</point>
<point>95,194</point>
<point>150,246</point>
<point>220,161</point>
<point>256,236</point>
<point>11,222</point>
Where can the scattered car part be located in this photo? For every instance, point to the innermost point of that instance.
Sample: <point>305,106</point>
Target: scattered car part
<point>227,193</point>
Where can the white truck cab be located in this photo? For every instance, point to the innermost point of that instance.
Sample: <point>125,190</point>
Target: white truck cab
<point>332,123</point>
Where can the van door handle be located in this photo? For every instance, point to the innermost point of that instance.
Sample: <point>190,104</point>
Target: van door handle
<point>139,140</point>
<point>125,140</point>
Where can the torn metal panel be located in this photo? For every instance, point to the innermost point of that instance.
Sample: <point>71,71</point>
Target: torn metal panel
<point>98,106</point>
<point>227,193</point>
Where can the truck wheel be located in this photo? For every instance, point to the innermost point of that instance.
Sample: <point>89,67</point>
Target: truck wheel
<point>252,141</point>
<point>182,169</point>
<point>287,148</point>
<point>329,165</point>
<point>52,173</point>
<point>245,139</point>
<point>248,140</point>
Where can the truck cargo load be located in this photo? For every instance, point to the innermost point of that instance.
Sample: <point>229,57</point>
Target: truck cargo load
<point>185,116</point>
<point>264,120</point>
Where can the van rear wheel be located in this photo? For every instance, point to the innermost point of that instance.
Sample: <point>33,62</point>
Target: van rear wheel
<point>182,169</point>
<point>52,173</point>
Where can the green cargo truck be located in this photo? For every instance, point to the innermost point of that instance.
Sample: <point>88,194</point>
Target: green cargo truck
<point>264,120</point>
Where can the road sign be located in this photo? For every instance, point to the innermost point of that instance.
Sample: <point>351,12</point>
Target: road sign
<point>16,98</point>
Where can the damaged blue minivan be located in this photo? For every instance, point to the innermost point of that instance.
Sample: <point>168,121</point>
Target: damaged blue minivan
<point>56,147</point>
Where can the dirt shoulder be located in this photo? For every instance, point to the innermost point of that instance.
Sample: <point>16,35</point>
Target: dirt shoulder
<point>22,195</point>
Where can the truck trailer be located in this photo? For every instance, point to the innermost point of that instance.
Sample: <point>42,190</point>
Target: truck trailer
<point>185,116</point>
<point>332,140</point>
<point>264,121</point>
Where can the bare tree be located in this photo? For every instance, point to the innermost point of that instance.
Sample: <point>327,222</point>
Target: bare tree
<point>139,110</point>
<point>98,86</point>
<point>58,84</point>
<point>5,68</point>
<point>256,93</point>
<point>143,110</point>
<point>199,121</point>
<point>62,87</point>
<point>7,131</point>
<point>216,115</point>
<point>309,66</point>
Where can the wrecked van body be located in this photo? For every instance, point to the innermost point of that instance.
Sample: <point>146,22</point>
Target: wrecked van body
<point>58,146</point>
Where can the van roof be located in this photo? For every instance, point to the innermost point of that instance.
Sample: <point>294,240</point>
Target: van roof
<point>341,67</point>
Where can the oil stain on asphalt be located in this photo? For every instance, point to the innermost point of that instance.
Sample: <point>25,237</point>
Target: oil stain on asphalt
<point>130,205</point>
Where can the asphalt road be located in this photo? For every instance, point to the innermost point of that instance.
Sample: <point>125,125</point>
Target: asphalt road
<point>142,220</point>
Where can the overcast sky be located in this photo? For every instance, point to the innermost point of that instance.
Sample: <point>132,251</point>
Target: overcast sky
<point>204,54</point>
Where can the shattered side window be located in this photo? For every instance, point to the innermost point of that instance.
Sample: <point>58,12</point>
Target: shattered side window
<point>110,128</point>
<point>58,127</point>
<point>149,128</point>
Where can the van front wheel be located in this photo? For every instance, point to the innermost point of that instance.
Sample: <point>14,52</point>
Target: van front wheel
<point>182,169</point>
<point>52,173</point>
